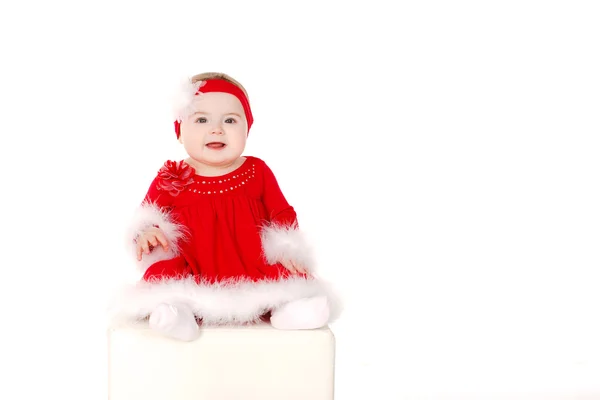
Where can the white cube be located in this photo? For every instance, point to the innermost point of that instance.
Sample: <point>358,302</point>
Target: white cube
<point>233,363</point>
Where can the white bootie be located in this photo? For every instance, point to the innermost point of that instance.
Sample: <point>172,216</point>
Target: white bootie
<point>308,313</point>
<point>177,322</point>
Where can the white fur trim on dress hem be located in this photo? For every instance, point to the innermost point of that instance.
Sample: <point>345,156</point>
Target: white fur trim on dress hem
<point>281,243</point>
<point>217,303</point>
<point>146,216</point>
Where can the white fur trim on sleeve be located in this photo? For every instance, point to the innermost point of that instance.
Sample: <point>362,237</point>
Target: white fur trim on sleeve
<point>286,243</point>
<point>146,216</point>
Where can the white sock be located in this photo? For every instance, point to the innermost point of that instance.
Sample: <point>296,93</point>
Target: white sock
<point>308,313</point>
<point>177,322</point>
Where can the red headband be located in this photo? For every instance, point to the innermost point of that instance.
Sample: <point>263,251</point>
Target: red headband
<point>223,86</point>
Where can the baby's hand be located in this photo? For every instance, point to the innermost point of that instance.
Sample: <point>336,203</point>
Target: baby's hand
<point>293,267</point>
<point>151,237</point>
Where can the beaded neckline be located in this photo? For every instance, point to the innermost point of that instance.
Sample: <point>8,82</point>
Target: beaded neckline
<point>224,183</point>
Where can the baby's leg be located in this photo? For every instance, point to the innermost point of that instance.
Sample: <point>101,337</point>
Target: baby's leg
<point>308,313</point>
<point>173,320</point>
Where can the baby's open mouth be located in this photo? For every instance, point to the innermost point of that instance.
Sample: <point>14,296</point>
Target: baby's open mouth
<point>215,145</point>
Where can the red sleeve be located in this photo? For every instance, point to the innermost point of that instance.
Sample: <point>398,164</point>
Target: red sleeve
<point>155,210</point>
<point>278,209</point>
<point>155,196</point>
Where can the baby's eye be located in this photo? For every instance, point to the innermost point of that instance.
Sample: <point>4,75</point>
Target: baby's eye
<point>201,120</point>
<point>230,120</point>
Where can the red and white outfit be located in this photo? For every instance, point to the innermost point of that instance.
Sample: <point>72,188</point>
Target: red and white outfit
<point>225,236</point>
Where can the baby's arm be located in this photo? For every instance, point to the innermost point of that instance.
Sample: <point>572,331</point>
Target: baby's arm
<point>153,224</point>
<point>282,239</point>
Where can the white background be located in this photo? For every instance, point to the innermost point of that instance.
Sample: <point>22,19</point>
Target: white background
<point>443,156</point>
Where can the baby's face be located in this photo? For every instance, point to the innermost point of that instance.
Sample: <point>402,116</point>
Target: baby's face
<point>216,133</point>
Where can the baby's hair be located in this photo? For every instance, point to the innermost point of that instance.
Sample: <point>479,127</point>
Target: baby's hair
<point>218,75</point>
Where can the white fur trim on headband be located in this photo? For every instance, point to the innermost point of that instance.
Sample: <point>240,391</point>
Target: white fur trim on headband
<point>184,97</point>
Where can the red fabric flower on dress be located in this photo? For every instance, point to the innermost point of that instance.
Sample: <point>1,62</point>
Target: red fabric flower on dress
<point>174,176</point>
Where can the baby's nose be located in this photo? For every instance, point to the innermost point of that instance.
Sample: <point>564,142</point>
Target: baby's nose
<point>217,130</point>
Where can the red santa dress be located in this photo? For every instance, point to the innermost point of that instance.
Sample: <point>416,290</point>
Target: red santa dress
<point>226,236</point>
